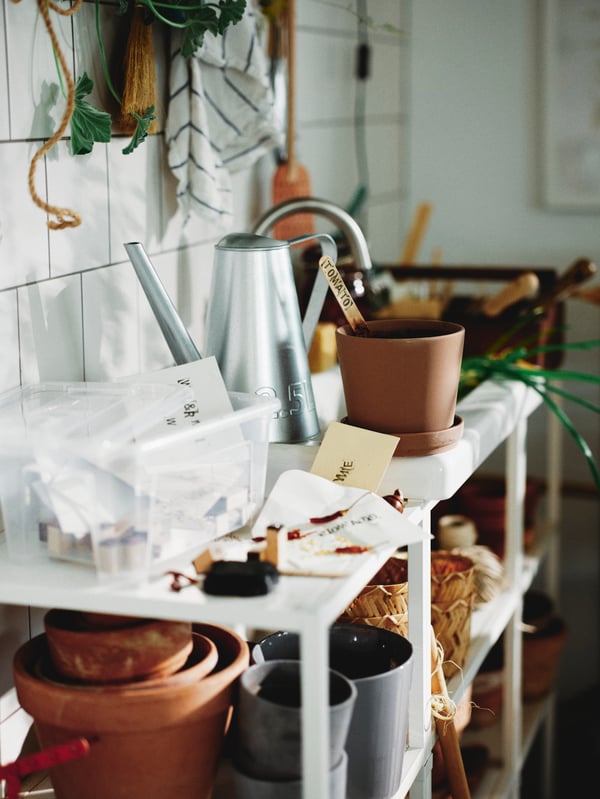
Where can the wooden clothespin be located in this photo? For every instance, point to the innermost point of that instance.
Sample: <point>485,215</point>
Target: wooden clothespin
<point>203,561</point>
<point>275,550</point>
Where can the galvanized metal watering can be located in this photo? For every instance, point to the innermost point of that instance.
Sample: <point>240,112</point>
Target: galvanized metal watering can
<point>253,327</point>
<point>255,331</point>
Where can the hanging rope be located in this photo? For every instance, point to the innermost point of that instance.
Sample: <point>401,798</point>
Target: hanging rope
<point>65,217</point>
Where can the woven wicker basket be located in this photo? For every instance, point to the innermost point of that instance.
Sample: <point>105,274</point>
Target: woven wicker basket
<point>452,599</point>
<point>384,603</point>
<point>395,623</point>
<point>380,600</point>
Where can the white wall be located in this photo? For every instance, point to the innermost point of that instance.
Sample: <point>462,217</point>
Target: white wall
<point>476,144</point>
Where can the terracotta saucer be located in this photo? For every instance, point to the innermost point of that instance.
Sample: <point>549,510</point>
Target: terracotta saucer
<point>139,650</point>
<point>418,444</point>
<point>201,662</point>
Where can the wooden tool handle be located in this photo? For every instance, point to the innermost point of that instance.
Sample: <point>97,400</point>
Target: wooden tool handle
<point>524,286</point>
<point>579,271</point>
<point>415,234</point>
<point>447,735</point>
<point>291,98</point>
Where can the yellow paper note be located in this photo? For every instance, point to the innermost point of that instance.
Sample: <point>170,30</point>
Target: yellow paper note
<point>353,456</point>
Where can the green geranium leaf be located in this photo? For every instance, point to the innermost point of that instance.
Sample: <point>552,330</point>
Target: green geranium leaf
<point>232,11</point>
<point>210,18</point>
<point>88,124</point>
<point>141,131</point>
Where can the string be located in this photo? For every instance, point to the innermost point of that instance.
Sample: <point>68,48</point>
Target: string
<point>442,707</point>
<point>65,217</point>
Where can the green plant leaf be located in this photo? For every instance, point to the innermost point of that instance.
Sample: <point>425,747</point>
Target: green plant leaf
<point>209,18</point>
<point>577,437</point>
<point>141,131</point>
<point>88,124</point>
<point>561,392</point>
<point>197,18</point>
<point>510,366</point>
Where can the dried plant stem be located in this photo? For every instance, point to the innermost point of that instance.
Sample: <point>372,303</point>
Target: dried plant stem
<point>139,90</point>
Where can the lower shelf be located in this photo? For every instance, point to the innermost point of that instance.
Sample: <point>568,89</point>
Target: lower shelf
<point>497,781</point>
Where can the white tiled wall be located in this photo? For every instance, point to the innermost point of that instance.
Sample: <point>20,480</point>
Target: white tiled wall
<point>71,307</point>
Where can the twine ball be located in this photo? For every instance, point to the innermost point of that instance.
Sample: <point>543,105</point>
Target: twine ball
<point>455,530</point>
<point>490,576</point>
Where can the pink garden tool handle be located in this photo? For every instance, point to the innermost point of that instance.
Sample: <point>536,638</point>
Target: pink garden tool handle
<point>28,764</point>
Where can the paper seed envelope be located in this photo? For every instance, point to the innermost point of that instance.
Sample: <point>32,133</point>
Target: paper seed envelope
<point>331,528</point>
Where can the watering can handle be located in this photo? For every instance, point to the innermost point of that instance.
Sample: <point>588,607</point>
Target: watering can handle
<point>320,286</point>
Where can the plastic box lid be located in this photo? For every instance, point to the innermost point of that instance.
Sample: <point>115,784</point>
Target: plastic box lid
<point>106,414</point>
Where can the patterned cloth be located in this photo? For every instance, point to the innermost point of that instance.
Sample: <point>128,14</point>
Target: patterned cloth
<point>221,117</point>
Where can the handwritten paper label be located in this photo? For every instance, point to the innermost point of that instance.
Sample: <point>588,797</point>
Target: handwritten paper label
<point>205,379</point>
<point>332,528</point>
<point>353,456</point>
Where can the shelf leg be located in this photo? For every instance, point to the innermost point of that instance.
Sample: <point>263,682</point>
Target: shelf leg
<point>512,719</point>
<point>553,501</point>
<point>422,787</point>
<point>419,621</point>
<point>314,671</point>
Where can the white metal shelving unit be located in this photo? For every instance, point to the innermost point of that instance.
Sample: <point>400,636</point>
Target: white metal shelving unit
<point>493,413</point>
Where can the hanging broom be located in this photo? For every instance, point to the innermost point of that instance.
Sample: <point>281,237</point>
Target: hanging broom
<point>291,179</point>
<point>139,88</point>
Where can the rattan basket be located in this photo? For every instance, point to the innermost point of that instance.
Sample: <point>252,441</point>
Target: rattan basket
<point>452,599</point>
<point>384,603</point>
<point>395,623</point>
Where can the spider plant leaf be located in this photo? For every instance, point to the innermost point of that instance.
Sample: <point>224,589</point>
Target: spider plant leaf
<point>550,375</point>
<point>577,437</point>
<point>575,398</point>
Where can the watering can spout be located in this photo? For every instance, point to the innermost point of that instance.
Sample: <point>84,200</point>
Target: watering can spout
<point>175,332</point>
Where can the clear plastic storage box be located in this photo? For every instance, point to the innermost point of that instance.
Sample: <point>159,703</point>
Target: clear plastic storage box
<point>209,479</point>
<point>93,473</point>
<point>70,485</point>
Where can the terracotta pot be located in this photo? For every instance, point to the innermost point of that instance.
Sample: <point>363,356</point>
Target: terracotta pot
<point>403,380</point>
<point>541,658</point>
<point>483,499</point>
<point>163,741</point>
<point>201,661</point>
<point>121,652</point>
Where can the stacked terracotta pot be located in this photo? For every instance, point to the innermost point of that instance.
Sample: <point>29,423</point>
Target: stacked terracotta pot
<point>154,698</point>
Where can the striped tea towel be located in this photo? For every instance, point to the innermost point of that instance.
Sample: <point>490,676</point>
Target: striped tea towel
<point>220,118</point>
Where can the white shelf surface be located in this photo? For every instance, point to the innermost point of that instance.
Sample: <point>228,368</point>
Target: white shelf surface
<point>497,780</point>
<point>307,605</point>
<point>490,413</point>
